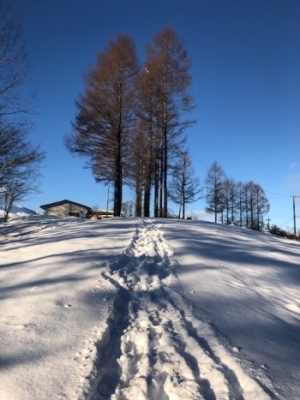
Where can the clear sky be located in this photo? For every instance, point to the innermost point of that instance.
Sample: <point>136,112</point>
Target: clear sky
<point>246,85</point>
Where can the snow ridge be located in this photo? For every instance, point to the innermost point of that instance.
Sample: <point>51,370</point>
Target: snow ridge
<point>154,348</point>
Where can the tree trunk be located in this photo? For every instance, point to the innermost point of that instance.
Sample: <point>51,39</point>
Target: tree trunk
<point>147,191</point>
<point>118,178</point>
<point>138,200</point>
<point>179,213</point>
<point>156,172</point>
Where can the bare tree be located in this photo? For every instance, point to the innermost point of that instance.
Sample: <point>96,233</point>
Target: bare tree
<point>106,114</point>
<point>25,184</point>
<point>229,199</point>
<point>214,189</point>
<point>19,159</point>
<point>19,165</point>
<point>256,205</point>
<point>262,206</point>
<point>184,187</point>
<point>239,202</point>
<point>246,202</point>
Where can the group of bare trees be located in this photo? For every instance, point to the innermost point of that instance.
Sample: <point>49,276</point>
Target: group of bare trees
<point>129,124</point>
<point>19,159</point>
<point>242,203</point>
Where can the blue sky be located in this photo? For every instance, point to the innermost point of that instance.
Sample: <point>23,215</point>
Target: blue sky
<point>246,85</point>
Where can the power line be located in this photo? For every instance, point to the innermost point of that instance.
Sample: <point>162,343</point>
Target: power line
<point>290,219</point>
<point>275,212</point>
<point>195,159</point>
<point>279,194</point>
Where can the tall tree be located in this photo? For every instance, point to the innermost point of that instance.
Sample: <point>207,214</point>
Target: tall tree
<point>166,81</point>
<point>239,202</point>
<point>252,204</point>
<point>214,189</point>
<point>147,112</point>
<point>230,198</point>
<point>19,159</point>
<point>184,187</point>
<point>258,205</point>
<point>248,205</point>
<point>106,114</point>
<point>262,205</point>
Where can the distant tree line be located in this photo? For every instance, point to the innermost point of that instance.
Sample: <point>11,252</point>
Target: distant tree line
<point>19,159</point>
<point>244,204</point>
<point>130,122</point>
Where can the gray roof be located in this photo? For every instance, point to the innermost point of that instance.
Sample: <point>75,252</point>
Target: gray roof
<point>58,203</point>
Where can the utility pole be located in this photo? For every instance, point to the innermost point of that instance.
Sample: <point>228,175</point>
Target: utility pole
<point>294,215</point>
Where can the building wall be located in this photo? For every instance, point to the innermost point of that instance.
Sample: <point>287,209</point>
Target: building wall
<point>67,209</point>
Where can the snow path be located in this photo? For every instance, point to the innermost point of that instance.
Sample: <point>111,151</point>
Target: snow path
<point>153,346</point>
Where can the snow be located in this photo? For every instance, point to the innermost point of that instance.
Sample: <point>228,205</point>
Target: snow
<point>147,309</point>
<point>16,210</point>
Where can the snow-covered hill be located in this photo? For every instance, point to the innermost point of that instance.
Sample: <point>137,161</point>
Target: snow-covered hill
<point>147,309</point>
<point>16,210</point>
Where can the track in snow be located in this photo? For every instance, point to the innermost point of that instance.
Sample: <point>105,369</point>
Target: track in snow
<point>154,348</point>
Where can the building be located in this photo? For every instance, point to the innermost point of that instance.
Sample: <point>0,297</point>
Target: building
<point>66,208</point>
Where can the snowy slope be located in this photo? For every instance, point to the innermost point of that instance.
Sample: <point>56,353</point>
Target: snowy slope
<point>246,284</point>
<point>147,309</point>
<point>16,210</point>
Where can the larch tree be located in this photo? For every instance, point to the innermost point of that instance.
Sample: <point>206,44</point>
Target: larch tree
<point>248,206</point>
<point>147,113</point>
<point>262,206</point>
<point>246,203</point>
<point>239,201</point>
<point>164,89</point>
<point>230,198</point>
<point>184,187</point>
<point>214,189</point>
<point>106,114</point>
<point>256,205</point>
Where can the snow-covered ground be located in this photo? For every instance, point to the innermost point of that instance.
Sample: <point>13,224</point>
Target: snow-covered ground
<point>147,309</point>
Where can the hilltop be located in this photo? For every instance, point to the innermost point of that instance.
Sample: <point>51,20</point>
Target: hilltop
<point>147,309</point>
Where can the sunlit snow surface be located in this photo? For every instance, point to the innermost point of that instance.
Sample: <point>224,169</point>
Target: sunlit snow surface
<point>147,309</point>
